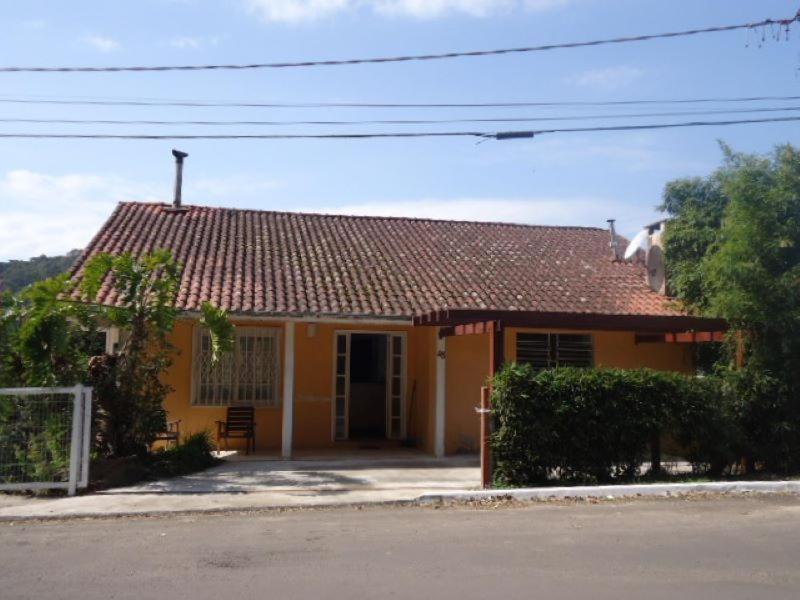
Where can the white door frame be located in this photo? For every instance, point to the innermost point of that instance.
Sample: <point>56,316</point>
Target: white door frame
<point>403,380</point>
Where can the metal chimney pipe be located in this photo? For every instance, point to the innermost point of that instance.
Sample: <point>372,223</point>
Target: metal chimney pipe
<point>179,156</point>
<point>614,244</point>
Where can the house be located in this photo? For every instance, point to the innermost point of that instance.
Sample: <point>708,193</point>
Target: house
<point>356,329</point>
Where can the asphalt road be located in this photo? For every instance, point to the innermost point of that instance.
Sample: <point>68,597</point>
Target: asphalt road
<point>720,548</point>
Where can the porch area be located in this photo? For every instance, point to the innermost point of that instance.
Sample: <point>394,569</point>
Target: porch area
<point>398,473</point>
<point>265,481</point>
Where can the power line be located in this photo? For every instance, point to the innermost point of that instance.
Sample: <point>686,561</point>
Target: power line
<point>527,104</point>
<point>399,121</point>
<point>782,24</point>
<point>530,134</point>
<point>503,135</point>
<point>225,136</point>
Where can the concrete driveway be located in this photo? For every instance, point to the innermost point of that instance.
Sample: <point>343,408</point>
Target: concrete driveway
<point>251,483</point>
<point>386,472</point>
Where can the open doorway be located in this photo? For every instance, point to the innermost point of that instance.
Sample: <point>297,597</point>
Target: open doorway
<point>369,385</point>
<point>368,380</point>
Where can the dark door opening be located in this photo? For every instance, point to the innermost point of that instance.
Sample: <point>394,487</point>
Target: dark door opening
<point>368,386</point>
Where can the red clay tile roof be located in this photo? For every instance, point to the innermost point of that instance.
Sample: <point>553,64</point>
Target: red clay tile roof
<point>260,262</point>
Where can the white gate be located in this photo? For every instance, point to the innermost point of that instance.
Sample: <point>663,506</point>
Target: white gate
<point>45,438</point>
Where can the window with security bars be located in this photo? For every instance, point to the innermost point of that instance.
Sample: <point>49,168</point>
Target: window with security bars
<point>548,350</point>
<point>247,376</point>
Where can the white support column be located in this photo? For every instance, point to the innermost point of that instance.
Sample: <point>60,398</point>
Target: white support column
<point>288,390</point>
<point>441,394</point>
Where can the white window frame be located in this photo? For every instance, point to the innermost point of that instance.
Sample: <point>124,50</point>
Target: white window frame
<point>267,332</point>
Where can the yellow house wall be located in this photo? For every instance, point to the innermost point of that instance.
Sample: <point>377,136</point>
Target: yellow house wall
<point>199,418</point>
<point>467,371</point>
<point>313,386</point>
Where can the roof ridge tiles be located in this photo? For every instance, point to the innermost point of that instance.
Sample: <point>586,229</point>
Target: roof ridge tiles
<point>369,217</point>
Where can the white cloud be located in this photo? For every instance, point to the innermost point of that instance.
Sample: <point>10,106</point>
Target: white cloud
<point>429,9</point>
<point>101,43</point>
<point>295,11</point>
<point>610,78</point>
<point>185,42</point>
<point>587,211</point>
<point>51,214</point>
<point>535,5</point>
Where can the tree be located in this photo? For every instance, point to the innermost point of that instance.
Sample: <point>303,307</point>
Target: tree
<point>44,341</point>
<point>17,274</point>
<point>696,206</point>
<point>47,338</point>
<point>129,390</point>
<point>733,251</point>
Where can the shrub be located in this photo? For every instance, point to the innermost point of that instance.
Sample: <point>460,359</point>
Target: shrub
<point>595,425</point>
<point>769,423</point>
<point>193,454</point>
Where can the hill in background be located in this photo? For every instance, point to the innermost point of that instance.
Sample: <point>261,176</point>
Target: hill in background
<point>16,274</point>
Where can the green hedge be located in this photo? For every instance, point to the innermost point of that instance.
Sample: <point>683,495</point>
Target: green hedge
<point>597,425</point>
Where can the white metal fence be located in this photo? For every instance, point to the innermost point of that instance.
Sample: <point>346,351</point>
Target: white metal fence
<point>45,438</point>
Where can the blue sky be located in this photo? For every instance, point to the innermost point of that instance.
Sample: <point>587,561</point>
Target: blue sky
<point>54,194</point>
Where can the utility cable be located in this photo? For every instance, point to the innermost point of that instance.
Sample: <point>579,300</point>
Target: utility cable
<point>782,24</point>
<point>531,104</point>
<point>503,135</point>
<point>399,121</point>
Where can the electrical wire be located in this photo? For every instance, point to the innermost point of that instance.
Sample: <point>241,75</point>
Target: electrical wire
<point>531,104</point>
<point>783,24</point>
<point>400,121</point>
<point>503,135</point>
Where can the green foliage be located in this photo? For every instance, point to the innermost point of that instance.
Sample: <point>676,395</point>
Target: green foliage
<point>146,287</point>
<point>595,425</point>
<point>44,341</point>
<point>35,441</point>
<point>767,421</point>
<point>697,206</point>
<point>733,251</point>
<point>221,330</point>
<point>193,454</point>
<point>129,390</point>
<point>18,274</point>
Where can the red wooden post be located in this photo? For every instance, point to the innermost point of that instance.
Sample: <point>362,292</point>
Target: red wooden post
<point>496,359</point>
<point>486,454</point>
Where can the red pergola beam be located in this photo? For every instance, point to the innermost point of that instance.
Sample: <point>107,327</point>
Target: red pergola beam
<point>578,321</point>
<point>694,337</point>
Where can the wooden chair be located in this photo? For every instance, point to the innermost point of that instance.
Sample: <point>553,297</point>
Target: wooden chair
<point>171,435</point>
<point>240,422</point>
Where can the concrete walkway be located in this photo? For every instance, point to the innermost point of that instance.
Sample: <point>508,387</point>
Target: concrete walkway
<point>252,483</point>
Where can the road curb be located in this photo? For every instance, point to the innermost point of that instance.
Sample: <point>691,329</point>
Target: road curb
<point>616,491</point>
<point>222,511</point>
